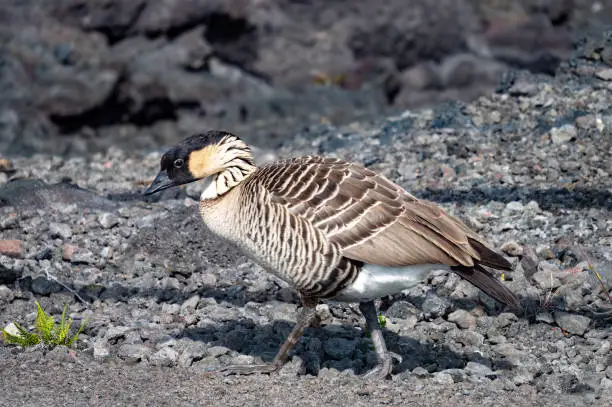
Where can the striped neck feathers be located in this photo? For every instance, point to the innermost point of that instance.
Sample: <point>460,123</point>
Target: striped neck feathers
<point>237,165</point>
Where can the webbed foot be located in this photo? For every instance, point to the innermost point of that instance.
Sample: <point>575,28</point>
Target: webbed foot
<point>384,367</point>
<point>263,368</point>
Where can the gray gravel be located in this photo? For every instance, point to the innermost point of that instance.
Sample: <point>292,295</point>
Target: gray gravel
<point>528,167</point>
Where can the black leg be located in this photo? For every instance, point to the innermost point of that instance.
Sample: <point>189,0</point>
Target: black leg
<point>385,358</point>
<point>305,318</point>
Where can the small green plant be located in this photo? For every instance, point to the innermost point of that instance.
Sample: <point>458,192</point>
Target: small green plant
<point>46,331</point>
<point>382,321</point>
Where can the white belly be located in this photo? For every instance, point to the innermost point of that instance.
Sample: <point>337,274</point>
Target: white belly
<point>376,281</point>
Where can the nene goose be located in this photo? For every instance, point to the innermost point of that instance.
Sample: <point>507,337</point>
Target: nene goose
<point>331,229</point>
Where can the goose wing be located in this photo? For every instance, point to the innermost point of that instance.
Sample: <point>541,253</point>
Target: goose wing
<point>372,219</point>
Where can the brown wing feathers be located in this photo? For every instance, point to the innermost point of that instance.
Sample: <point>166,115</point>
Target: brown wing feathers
<point>375,221</point>
<point>488,257</point>
<point>482,279</point>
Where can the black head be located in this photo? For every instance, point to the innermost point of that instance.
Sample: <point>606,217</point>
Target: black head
<point>192,159</point>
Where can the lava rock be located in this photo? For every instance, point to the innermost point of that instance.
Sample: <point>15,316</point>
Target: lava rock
<point>572,323</point>
<point>60,230</point>
<point>478,369</point>
<point>134,353</point>
<point>43,286</point>
<point>108,220</point>
<point>512,248</point>
<point>435,306</point>
<point>463,319</point>
<point>6,294</point>
<point>12,248</point>
<point>164,357</point>
<point>9,274</point>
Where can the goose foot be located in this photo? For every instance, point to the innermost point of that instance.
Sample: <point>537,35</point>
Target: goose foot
<point>264,368</point>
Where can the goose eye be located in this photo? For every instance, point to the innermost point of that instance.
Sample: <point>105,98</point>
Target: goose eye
<point>178,163</point>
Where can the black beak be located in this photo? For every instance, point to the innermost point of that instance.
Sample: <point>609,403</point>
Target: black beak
<point>160,183</point>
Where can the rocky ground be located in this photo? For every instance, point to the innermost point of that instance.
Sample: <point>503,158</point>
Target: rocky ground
<point>528,167</point>
<point>93,89</point>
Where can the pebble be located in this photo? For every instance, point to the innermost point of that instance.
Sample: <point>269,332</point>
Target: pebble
<point>164,357</point>
<point>106,252</point>
<point>9,221</point>
<point>522,378</point>
<point>545,317</point>
<point>190,319</point>
<point>46,253</point>
<point>60,230</point>
<point>68,251</point>
<point>101,349</point>
<point>509,351</point>
<point>12,329</point>
<point>406,324</point>
<point>546,277</point>
<point>192,351</point>
<point>116,332</point>
<point>586,122</point>
<point>605,349</point>
<point>12,248</point>
<point>134,353</point>
<point>6,294</point>
<point>505,319</point>
<point>82,256</point>
<point>189,306</point>
<point>605,74</point>
<point>529,261</point>
<point>443,378</point>
<point>523,88</point>
<point>323,312</point>
<point>514,207</point>
<point>573,323</point>
<point>478,369</point>
<point>9,272</point>
<point>573,297</point>
<point>149,220</point>
<point>420,371</point>
<point>469,338</point>
<point>463,319</point>
<point>435,306</point>
<point>43,286</point>
<point>512,248</point>
<point>496,339</point>
<point>458,375</point>
<point>217,351</point>
<point>108,220</point>
<point>563,134</point>
<point>171,309</point>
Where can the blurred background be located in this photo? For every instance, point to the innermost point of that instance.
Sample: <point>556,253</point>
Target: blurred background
<point>78,76</point>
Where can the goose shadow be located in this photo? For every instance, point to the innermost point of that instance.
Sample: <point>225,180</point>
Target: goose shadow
<point>317,346</point>
<point>339,346</point>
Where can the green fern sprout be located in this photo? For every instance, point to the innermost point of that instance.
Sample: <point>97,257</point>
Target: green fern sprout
<point>46,331</point>
<point>23,337</point>
<point>44,325</point>
<point>382,321</point>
